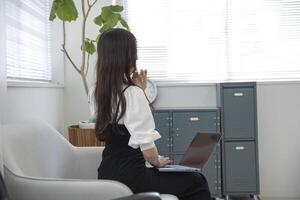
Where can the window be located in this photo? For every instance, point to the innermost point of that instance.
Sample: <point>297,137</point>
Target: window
<point>263,40</point>
<point>28,40</point>
<point>217,40</point>
<point>179,41</point>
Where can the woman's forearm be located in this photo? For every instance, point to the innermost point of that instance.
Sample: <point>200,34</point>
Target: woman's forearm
<point>151,155</point>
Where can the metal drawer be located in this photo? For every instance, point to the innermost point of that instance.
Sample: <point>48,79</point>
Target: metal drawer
<point>239,113</point>
<point>187,124</point>
<point>240,167</point>
<point>162,125</point>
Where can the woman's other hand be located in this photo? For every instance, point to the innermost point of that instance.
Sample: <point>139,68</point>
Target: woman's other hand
<point>151,155</point>
<point>140,79</point>
<point>163,161</point>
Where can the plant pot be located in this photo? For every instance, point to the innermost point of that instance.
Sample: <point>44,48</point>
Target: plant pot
<point>81,137</point>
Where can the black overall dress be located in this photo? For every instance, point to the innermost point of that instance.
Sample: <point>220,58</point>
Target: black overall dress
<point>125,164</point>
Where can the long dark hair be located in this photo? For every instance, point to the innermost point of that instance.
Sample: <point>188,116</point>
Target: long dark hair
<point>117,55</point>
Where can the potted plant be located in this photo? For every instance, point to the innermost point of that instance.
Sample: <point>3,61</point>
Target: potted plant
<point>109,17</point>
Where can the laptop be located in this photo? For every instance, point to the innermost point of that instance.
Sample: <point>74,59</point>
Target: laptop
<point>196,155</point>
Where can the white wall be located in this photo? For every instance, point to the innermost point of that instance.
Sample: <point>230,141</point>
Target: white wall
<point>186,96</point>
<point>279,136</point>
<point>36,103</point>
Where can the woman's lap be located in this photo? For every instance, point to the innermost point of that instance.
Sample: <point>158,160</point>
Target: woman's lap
<point>181,184</point>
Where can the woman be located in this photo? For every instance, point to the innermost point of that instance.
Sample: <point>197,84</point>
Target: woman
<point>125,121</point>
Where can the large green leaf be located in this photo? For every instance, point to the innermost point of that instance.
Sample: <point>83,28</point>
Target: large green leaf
<point>113,21</point>
<point>98,20</point>
<point>116,8</point>
<point>124,23</point>
<point>104,28</point>
<point>65,10</point>
<point>109,18</point>
<point>89,46</point>
<point>53,11</point>
<point>107,11</point>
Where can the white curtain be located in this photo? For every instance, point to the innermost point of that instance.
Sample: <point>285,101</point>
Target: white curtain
<point>2,78</point>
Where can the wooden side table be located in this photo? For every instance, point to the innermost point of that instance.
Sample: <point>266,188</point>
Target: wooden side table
<point>83,137</point>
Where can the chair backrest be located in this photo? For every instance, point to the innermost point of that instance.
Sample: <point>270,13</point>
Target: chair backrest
<point>36,149</point>
<point>1,149</point>
<point>3,190</point>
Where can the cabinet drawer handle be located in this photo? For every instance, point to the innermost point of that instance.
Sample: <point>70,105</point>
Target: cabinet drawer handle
<point>194,119</point>
<point>240,148</point>
<point>238,94</point>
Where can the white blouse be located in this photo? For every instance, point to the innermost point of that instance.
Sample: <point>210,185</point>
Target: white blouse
<point>138,119</point>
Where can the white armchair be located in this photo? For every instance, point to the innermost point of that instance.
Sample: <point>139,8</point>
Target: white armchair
<point>39,163</point>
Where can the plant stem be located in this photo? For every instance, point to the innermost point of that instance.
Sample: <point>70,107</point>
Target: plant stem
<point>87,64</point>
<point>83,77</point>
<point>64,32</point>
<point>91,5</point>
<point>83,61</point>
<point>65,50</point>
<point>82,68</point>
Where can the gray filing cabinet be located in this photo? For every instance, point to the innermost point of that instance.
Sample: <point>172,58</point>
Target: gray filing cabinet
<point>239,145</point>
<point>178,127</point>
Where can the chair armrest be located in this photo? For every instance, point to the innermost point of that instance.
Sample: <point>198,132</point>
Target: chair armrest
<point>142,196</point>
<point>28,188</point>
<point>88,160</point>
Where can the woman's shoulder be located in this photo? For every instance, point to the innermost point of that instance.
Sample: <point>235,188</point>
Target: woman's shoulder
<point>133,91</point>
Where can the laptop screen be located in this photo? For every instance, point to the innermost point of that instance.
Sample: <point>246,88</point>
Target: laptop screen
<point>200,149</point>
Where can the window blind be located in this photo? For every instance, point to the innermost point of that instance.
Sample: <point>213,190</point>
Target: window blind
<point>28,39</point>
<point>217,40</point>
<point>263,40</point>
<point>179,41</point>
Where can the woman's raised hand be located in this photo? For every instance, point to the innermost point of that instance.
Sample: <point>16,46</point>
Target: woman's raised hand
<point>140,79</point>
